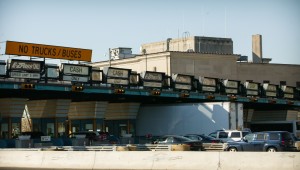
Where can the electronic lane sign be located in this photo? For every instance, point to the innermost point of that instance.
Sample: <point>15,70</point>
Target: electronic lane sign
<point>2,68</point>
<point>152,79</point>
<point>207,84</point>
<point>75,73</point>
<point>116,76</point>
<point>25,69</point>
<point>47,51</point>
<point>182,82</point>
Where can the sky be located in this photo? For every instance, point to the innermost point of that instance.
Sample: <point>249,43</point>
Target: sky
<point>102,24</point>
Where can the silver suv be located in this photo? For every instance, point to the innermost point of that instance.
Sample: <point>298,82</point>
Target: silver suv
<point>229,135</point>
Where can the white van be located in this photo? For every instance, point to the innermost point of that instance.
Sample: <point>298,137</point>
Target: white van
<point>229,135</point>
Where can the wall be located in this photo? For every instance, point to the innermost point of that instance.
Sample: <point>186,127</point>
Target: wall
<point>209,65</point>
<point>272,72</point>
<point>189,118</point>
<point>149,160</point>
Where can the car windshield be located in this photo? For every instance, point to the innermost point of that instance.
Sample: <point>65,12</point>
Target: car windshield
<point>173,139</point>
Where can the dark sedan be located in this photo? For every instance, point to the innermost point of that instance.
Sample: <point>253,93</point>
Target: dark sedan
<point>103,137</point>
<point>203,138</point>
<point>195,145</point>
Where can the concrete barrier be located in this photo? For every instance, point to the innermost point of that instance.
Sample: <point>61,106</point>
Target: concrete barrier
<point>149,160</point>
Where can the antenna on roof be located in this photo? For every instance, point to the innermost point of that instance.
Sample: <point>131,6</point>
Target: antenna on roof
<point>225,23</point>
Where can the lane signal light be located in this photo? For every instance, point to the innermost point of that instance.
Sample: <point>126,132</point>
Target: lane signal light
<point>232,98</point>
<point>155,93</point>
<point>253,99</point>
<point>184,95</point>
<point>210,97</point>
<point>27,86</point>
<point>77,88</point>
<point>119,91</point>
<point>272,101</point>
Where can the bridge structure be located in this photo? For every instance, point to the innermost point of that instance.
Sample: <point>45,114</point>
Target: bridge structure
<point>58,100</point>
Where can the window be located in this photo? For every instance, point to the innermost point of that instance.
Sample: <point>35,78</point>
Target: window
<point>245,133</point>
<point>249,137</point>
<point>223,134</point>
<point>274,136</point>
<point>214,134</point>
<point>170,140</point>
<point>235,134</point>
<point>260,136</point>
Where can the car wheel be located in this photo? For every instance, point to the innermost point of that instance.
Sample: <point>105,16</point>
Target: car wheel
<point>271,149</point>
<point>232,150</point>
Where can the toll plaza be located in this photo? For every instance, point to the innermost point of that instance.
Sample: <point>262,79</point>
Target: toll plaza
<point>60,99</point>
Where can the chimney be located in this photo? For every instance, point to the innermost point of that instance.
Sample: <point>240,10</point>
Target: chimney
<point>257,48</point>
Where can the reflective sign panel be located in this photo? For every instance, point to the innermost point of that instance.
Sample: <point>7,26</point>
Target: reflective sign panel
<point>207,81</point>
<point>96,76</point>
<point>52,72</point>
<point>230,83</point>
<point>2,68</point>
<point>269,87</point>
<point>178,78</point>
<point>76,69</point>
<point>75,78</point>
<point>118,73</point>
<point>25,75</point>
<point>24,65</point>
<point>153,76</point>
<point>183,86</point>
<point>287,89</point>
<point>152,84</point>
<point>47,51</point>
<point>117,81</point>
<point>251,86</point>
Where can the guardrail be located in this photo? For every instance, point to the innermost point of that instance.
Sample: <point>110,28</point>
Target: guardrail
<point>153,147</point>
<point>139,147</point>
<point>214,146</point>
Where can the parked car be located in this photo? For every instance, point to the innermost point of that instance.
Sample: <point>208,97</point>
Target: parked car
<point>229,135</point>
<point>203,138</point>
<point>195,145</point>
<point>103,137</point>
<point>270,141</point>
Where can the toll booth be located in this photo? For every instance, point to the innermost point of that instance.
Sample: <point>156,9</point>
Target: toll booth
<point>11,115</point>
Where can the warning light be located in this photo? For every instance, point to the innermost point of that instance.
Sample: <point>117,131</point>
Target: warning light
<point>155,93</point>
<point>210,97</point>
<point>27,86</point>
<point>77,88</point>
<point>119,91</point>
<point>184,95</point>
